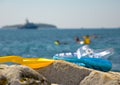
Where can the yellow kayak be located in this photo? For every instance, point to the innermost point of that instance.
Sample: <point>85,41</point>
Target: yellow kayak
<point>34,63</point>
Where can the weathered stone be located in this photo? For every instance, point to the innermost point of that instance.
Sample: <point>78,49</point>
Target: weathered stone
<point>22,75</point>
<point>64,73</point>
<point>3,80</point>
<point>102,78</point>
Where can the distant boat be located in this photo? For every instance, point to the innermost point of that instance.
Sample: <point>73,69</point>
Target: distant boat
<point>29,25</point>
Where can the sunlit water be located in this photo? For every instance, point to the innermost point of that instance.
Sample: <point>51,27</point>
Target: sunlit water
<point>40,43</point>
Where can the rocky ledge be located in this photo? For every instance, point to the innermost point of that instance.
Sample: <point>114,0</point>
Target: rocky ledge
<point>58,73</point>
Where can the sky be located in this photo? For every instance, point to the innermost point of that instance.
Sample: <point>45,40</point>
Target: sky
<point>62,13</point>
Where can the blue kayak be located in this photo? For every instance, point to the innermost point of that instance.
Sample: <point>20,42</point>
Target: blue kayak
<point>87,57</point>
<point>94,63</point>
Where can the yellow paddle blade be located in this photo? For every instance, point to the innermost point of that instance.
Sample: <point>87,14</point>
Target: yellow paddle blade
<point>13,59</point>
<point>34,63</point>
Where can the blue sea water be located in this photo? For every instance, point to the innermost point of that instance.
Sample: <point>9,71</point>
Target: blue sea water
<point>40,43</point>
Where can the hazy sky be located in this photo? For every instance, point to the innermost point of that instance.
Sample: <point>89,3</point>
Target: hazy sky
<point>62,13</point>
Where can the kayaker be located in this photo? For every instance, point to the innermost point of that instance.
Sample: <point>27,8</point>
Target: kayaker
<point>57,42</point>
<point>87,40</point>
<point>78,40</point>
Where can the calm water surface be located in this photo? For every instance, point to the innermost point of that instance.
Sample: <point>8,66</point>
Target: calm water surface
<point>40,43</point>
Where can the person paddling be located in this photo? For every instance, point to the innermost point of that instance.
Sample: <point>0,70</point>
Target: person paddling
<point>87,40</point>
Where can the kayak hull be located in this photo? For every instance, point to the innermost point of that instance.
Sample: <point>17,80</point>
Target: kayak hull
<point>94,63</point>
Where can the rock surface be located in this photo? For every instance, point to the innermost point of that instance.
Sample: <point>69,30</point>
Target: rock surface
<point>65,73</point>
<point>20,75</point>
<point>102,78</point>
<point>58,73</point>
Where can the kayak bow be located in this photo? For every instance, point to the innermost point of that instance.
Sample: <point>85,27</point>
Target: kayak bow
<point>34,63</point>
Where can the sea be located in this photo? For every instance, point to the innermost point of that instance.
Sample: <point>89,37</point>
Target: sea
<point>36,43</point>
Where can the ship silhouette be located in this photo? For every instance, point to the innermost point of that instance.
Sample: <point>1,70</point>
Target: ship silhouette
<point>29,25</point>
